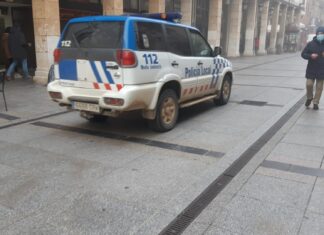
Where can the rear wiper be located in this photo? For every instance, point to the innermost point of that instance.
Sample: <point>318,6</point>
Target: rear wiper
<point>75,40</point>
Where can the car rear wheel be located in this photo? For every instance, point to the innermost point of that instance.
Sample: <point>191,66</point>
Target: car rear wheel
<point>51,76</point>
<point>225,91</point>
<point>167,111</point>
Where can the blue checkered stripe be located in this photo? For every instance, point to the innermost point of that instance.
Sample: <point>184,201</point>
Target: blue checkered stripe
<point>219,65</point>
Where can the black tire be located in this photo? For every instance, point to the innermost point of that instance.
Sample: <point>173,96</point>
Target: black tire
<point>96,118</point>
<point>50,76</point>
<point>225,92</point>
<point>167,111</point>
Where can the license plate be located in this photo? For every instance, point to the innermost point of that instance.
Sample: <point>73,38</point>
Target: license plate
<point>86,107</point>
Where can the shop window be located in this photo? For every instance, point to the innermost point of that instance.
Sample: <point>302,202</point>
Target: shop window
<point>173,5</point>
<point>200,15</point>
<point>76,8</point>
<point>136,6</point>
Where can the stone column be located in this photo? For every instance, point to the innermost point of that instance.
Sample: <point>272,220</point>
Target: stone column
<point>264,27</point>
<point>186,11</point>
<point>274,24</point>
<point>112,7</point>
<point>297,17</point>
<point>250,28</point>
<point>156,6</point>
<point>214,22</point>
<point>291,15</point>
<point>281,34</point>
<point>46,17</point>
<point>234,29</point>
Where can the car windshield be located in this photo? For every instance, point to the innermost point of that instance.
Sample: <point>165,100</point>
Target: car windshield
<point>94,35</point>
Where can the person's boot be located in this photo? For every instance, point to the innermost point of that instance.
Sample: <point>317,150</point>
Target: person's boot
<point>7,78</point>
<point>315,107</point>
<point>308,102</point>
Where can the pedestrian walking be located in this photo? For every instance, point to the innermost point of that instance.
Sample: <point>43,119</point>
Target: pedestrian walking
<point>314,53</point>
<point>5,47</point>
<point>18,48</point>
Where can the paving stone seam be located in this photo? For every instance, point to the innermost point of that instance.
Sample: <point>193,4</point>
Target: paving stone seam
<point>192,211</point>
<point>287,167</point>
<point>136,140</point>
<point>265,75</point>
<point>315,212</point>
<point>305,210</point>
<point>309,199</point>
<point>306,145</point>
<point>266,86</point>
<point>264,63</point>
<point>303,144</point>
<point>8,117</point>
<point>24,121</point>
<point>309,125</point>
<point>280,178</point>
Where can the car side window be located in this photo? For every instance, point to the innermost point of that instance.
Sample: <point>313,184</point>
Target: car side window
<point>199,45</point>
<point>150,37</point>
<point>177,40</point>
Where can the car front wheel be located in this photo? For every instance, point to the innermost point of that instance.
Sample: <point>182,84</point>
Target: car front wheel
<point>225,91</point>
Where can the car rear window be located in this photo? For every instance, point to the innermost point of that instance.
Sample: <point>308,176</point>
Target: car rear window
<point>94,35</point>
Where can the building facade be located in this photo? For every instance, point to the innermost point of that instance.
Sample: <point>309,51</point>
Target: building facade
<point>313,15</point>
<point>240,27</point>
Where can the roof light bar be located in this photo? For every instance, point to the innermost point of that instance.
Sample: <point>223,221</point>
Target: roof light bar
<point>169,16</point>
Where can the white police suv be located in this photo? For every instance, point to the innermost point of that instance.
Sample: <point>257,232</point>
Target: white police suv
<point>106,65</point>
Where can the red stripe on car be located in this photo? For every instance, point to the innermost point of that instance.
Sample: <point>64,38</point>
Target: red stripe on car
<point>119,86</point>
<point>96,85</point>
<point>107,86</point>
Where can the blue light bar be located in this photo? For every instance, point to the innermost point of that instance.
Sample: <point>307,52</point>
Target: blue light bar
<point>169,16</point>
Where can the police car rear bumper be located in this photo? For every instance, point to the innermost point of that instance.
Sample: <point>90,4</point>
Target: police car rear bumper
<point>133,96</point>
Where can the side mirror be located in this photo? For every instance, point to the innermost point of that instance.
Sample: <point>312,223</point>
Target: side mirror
<point>217,51</point>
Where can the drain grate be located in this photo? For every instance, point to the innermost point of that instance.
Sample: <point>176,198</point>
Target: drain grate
<point>191,212</point>
<point>254,103</point>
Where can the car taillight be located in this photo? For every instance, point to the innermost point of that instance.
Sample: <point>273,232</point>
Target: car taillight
<point>55,95</point>
<point>126,58</point>
<point>114,101</point>
<point>57,55</point>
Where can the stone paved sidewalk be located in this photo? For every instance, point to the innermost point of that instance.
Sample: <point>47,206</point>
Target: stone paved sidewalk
<point>281,191</point>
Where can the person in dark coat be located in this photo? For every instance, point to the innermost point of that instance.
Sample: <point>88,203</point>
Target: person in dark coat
<point>18,49</point>
<point>5,47</point>
<point>314,53</point>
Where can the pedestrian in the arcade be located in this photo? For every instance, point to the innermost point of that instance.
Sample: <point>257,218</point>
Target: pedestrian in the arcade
<point>5,47</point>
<point>314,53</point>
<point>18,48</point>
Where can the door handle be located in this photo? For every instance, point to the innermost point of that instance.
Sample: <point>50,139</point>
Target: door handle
<point>174,64</point>
<point>200,63</point>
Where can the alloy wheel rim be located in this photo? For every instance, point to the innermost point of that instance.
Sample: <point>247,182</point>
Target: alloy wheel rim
<point>226,89</point>
<point>168,111</point>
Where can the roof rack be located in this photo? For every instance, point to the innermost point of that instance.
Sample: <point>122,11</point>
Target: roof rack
<point>168,16</point>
